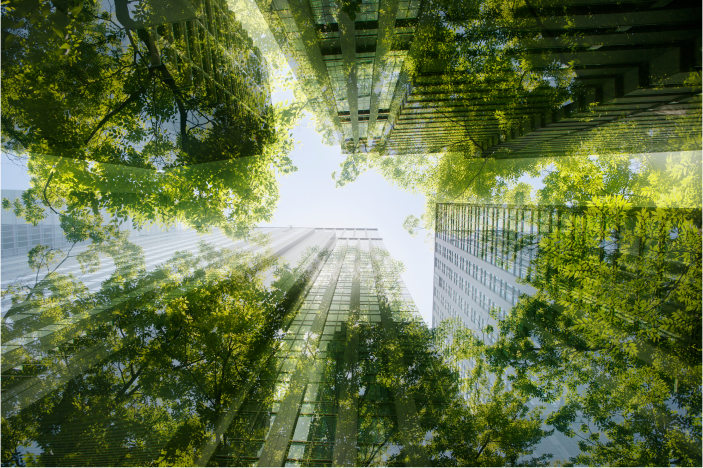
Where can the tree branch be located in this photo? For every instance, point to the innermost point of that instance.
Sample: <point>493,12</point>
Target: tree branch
<point>48,181</point>
<point>104,120</point>
<point>485,159</point>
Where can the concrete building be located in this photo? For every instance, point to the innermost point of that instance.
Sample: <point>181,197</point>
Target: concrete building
<point>477,263</point>
<point>200,44</point>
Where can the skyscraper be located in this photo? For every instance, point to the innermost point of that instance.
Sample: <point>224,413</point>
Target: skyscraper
<point>348,58</point>
<point>323,397</point>
<point>153,248</point>
<point>340,369</point>
<point>200,43</point>
<point>634,64</point>
<point>479,257</point>
<point>607,261</point>
<point>383,80</point>
<point>477,263</point>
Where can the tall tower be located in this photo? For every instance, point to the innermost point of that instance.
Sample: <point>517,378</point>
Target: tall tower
<point>348,58</point>
<point>201,43</point>
<point>478,262</point>
<point>324,397</point>
<point>634,65</point>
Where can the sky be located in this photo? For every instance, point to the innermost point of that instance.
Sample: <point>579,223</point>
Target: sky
<point>309,199</point>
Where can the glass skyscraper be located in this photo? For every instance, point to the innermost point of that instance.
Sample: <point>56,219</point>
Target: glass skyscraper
<point>323,397</point>
<point>349,61</point>
<point>477,263</point>
<point>341,381</point>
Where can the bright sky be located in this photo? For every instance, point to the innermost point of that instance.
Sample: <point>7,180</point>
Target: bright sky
<point>309,199</point>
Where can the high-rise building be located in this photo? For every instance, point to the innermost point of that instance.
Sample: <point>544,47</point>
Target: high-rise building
<point>200,43</point>
<point>323,398</point>
<point>477,263</point>
<point>343,380</point>
<point>604,257</point>
<point>348,58</point>
<point>383,80</point>
<point>478,260</point>
<point>19,237</point>
<point>155,246</point>
<point>634,64</point>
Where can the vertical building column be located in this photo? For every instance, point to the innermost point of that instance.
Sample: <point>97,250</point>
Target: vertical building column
<point>345,439</point>
<point>386,30</point>
<point>307,272</point>
<point>305,22</point>
<point>348,43</point>
<point>276,447</point>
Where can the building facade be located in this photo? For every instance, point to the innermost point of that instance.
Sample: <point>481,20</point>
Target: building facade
<point>342,381</point>
<point>348,58</point>
<point>321,399</point>
<point>481,252</point>
<point>633,69</point>
<point>477,263</point>
<point>200,43</point>
<point>603,257</point>
<point>380,74</point>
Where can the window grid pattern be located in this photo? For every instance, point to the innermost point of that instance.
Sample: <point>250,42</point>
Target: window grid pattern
<point>504,237</point>
<point>313,434</point>
<point>408,10</point>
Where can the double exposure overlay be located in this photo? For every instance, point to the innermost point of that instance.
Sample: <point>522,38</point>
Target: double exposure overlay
<point>181,287</point>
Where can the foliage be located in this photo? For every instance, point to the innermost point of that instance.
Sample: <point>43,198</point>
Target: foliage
<point>104,129</point>
<point>181,347</point>
<point>614,329</point>
<point>410,224</point>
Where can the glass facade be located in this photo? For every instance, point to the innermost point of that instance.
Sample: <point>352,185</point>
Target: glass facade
<point>349,62</point>
<point>322,398</point>
<point>480,253</point>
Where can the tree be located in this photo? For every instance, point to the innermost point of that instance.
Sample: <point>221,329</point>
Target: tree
<point>179,344</point>
<point>470,421</point>
<point>106,127</point>
<point>614,330</point>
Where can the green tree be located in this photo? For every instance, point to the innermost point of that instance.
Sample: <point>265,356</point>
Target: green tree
<point>107,124</point>
<point>614,329</point>
<point>147,382</point>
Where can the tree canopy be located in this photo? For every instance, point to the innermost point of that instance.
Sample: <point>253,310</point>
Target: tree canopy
<point>613,329</point>
<point>106,125</point>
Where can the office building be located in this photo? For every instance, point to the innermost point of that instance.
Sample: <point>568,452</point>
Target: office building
<point>19,237</point>
<point>200,44</point>
<point>479,257</point>
<point>382,80</point>
<point>322,398</point>
<point>349,62</point>
<point>636,74</point>
<point>342,381</point>
<point>154,247</point>
<point>477,263</point>
<point>603,258</point>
